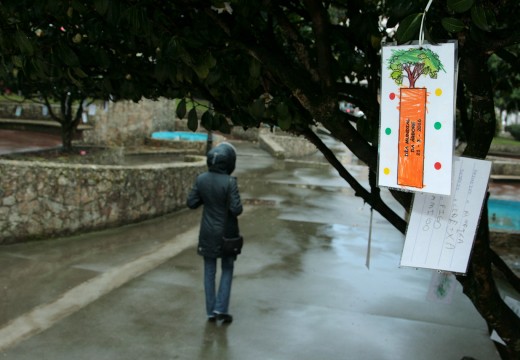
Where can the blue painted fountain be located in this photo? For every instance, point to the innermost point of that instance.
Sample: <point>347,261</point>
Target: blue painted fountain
<point>180,135</point>
<point>504,214</point>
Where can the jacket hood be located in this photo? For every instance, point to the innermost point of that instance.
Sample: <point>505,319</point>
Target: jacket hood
<point>222,158</point>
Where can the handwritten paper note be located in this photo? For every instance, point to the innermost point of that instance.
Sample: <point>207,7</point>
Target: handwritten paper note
<point>442,228</point>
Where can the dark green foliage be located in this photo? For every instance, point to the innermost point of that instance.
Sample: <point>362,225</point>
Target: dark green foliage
<point>514,130</point>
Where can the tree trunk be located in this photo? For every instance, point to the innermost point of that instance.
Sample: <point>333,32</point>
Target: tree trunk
<point>67,135</point>
<point>69,120</point>
<point>479,284</point>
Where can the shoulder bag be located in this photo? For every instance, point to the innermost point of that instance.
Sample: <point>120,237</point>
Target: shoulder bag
<point>231,246</point>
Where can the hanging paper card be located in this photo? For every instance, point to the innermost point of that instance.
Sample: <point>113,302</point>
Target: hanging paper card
<point>442,228</point>
<point>417,117</point>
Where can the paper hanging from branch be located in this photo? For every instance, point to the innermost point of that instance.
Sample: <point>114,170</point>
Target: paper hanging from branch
<point>416,135</point>
<point>442,228</point>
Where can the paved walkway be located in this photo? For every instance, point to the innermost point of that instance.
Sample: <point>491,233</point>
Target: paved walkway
<point>15,141</point>
<point>302,289</point>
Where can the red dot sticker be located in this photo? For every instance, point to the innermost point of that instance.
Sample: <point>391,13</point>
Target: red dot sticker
<point>437,166</point>
<point>392,96</point>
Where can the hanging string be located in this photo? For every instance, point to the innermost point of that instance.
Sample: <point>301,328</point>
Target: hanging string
<point>367,263</point>
<point>421,32</point>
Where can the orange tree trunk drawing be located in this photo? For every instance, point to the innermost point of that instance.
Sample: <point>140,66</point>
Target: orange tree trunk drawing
<point>412,111</point>
<point>411,64</point>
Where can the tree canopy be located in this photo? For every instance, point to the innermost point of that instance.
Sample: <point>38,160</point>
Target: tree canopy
<point>286,64</point>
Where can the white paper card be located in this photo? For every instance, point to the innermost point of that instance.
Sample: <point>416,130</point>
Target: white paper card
<point>442,228</point>
<point>495,337</point>
<point>416,135</point>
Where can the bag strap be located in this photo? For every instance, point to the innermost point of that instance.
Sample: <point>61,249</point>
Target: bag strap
<point>228,203</point>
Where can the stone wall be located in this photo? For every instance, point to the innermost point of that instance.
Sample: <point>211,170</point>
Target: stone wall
<point>105,123</point>
<point>126,123</point>
<point>45,200</point>
<point>27,110</point>
<point>509,167</point>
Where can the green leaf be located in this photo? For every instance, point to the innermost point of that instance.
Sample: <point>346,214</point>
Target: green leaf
<point>101,6</point>
<point>491,19</point>
<point>201,70</point>
<point>207,120</point>
<point>78,6</point>
<point>213,78</point>
<point>400,9</point>
<point>257,109</point>
<point>79,72</point>
<point>68,56</point>
<point>39,67</point>
<point>203,66</point>
<point>460,5</point>
<point>223,126</point>
<point>162,70</point>
<point>254,69</point>
<point>181,109</point>
<point>193,120</point>
<point>409,28</point>
<point>23,43</point>
<point>478,15</point>
<point>210,60</point>
<point>282,111</point>
<point>375,41</point>
<point>285,122</point>
<point>452,25</point>
<point>17,61</point>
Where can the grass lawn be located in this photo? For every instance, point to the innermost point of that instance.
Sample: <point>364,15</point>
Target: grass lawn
<point>505,141</point>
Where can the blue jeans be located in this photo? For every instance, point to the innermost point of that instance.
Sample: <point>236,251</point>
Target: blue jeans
<point>218,302</point>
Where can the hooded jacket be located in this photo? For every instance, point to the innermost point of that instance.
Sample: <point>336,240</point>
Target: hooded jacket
<point>211,189</point>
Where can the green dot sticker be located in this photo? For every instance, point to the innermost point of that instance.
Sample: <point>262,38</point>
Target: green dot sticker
<point>388,131</point>
<point>437,125</point>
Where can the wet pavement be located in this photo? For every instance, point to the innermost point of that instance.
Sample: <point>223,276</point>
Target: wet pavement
<point>18,141</point>
<point>302,287</point>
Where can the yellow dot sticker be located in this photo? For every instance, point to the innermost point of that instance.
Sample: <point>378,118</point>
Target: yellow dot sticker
<point>386,171</point>
<point>438,92</point>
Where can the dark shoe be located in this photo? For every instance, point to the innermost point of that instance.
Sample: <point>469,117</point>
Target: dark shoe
<point>225,318</point>
<point>212,318</point>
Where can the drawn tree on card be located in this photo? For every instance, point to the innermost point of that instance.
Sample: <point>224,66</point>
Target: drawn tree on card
<point>411,64</point>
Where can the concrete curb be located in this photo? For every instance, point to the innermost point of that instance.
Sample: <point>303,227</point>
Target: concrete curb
<point>268,144</point>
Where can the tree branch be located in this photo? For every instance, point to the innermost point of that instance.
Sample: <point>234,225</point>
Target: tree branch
<point>510,276</point>
<point>320,24</point>
<point>373,199</point>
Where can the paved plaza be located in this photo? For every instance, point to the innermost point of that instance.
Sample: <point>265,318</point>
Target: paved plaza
<point>303,286</point>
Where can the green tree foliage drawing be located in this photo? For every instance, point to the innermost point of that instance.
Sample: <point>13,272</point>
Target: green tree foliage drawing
<point>412,63</point>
